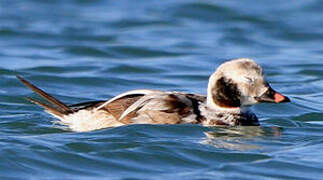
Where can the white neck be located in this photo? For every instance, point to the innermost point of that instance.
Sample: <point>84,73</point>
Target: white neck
<point>213,106</point>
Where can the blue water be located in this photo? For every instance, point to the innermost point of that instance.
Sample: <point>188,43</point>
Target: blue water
<point>80,50</point>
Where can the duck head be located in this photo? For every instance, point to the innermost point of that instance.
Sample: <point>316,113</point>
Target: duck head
<point>240,82</point>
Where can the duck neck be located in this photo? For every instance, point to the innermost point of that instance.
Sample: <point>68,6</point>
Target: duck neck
<point>212,106</point>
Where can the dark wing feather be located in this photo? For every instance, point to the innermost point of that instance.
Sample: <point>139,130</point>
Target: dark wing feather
<point>117,107</point>
<point>86,105</point>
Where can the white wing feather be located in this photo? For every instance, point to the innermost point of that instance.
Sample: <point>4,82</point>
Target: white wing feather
<point>139,92</point>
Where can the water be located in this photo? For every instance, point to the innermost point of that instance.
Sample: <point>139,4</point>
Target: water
<point>82,50</point>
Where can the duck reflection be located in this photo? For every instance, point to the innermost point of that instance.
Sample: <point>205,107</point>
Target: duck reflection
<point>239,138</point>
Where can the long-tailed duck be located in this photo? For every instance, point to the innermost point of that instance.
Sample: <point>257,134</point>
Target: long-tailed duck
<point>232,89</point>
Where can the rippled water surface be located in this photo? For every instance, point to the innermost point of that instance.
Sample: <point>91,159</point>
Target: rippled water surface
<point>81,50</point>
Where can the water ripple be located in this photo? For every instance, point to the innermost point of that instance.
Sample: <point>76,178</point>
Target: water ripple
<point>88,50</point>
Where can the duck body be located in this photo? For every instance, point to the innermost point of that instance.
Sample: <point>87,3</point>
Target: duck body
<point>227,103</point>
<point>155,107</point>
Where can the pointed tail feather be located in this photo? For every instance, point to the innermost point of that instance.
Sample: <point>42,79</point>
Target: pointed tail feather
<point>48,108</point>
<point>61,107</point>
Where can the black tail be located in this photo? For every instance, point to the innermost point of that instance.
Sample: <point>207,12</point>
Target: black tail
<point>60,108</point>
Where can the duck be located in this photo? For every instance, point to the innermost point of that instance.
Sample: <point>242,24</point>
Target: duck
<point>232,89</point>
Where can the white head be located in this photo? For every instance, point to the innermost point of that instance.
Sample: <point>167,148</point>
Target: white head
<point>240,82</point>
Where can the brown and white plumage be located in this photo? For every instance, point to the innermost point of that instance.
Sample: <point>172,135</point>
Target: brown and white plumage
<point>234,86</point>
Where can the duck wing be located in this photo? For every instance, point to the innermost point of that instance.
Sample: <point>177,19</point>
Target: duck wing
<point>162,108</point>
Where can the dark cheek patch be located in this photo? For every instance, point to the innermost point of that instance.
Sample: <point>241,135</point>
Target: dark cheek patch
<point>226,93</point>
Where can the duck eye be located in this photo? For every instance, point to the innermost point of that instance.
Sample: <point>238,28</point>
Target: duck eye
<point>249,80</point>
